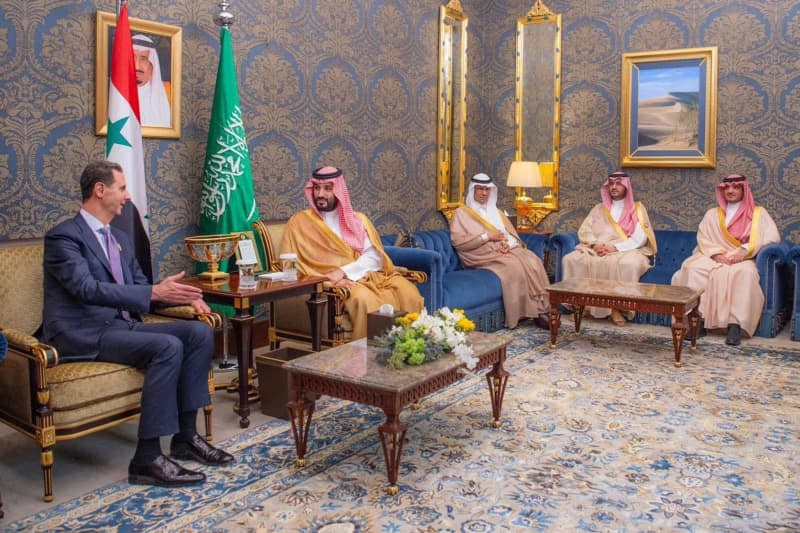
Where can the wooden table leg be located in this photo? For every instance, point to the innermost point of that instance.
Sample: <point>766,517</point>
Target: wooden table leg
<point>392,433</point>
<point>243,332</point>
<point>694,327</point>
<point>678,333</point>
<point>497,379</point>
<point>578,316</point>
<point>300,411</point>
<point>316,306</point>
<point>555,323</point>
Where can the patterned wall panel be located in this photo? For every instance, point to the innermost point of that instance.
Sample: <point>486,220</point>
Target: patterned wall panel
<point>758,109</point>
<point>353,83</point>
<point>344,82</point>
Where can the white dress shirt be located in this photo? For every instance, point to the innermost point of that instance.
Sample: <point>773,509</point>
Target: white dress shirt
<point>96,227</point>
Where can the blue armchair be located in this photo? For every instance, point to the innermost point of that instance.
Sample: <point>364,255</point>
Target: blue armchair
<point>675,246</point>
<point>476,291</point>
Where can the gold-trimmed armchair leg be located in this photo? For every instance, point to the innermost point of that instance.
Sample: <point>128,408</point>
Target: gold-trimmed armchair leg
<point>46,437</point>
<point>338,320</point>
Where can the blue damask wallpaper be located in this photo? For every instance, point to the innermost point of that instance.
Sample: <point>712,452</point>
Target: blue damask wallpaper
<point>758,100</point>
<point>353,83</point>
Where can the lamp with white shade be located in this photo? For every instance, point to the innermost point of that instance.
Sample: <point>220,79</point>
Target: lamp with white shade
<point>523,174</point>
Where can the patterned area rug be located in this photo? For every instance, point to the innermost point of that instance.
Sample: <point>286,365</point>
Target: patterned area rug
<point>602,433</point>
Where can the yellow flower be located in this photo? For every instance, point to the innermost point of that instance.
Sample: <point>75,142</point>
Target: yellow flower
<point>407,319</point>
<point>465,324</point>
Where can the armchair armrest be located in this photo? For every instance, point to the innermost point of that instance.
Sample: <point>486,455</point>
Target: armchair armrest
<point>414,276</point>
<point>536,243</point>
<point>773,266</point>
<point>29,347</point>
<point>187,312</point>
<point>561,244</point>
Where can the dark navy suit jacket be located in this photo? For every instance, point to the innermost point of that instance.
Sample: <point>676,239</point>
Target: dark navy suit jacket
<point>81,297</point>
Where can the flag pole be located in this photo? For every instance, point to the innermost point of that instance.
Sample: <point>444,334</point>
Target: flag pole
<point>224,19</point>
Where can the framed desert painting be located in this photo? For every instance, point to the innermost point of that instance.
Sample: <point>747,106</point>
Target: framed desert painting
<point>157,59</point>
<point>669,108</point>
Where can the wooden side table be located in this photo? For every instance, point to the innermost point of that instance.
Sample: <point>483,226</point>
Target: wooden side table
<point>243,301</point>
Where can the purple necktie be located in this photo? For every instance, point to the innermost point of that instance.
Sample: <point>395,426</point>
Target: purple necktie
<point>116,264</point>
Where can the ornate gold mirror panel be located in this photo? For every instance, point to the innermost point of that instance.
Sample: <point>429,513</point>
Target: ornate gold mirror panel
<point>452,107</point>
<point>538,106</point>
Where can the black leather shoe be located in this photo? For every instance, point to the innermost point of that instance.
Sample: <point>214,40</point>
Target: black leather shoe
<point>734,337</point>
<point>163,472</point>
<point>542,321</point>
<point>198,449</point>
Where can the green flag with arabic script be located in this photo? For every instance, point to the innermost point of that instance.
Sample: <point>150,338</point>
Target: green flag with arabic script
<point>227,200</point>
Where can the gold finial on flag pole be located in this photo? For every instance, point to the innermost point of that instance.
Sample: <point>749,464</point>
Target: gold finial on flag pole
<point>224,18</point>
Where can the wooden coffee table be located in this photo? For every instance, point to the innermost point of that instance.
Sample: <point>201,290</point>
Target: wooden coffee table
<point>351,372</point>
<point>679,302</point>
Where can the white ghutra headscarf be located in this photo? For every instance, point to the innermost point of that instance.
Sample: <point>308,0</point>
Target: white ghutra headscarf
<point>488,210</point>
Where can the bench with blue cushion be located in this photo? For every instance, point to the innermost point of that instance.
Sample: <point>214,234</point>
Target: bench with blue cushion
<point>675,246</point>
<point>477,291</point>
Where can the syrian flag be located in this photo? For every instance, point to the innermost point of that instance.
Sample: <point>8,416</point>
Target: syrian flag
<point>124,140</point>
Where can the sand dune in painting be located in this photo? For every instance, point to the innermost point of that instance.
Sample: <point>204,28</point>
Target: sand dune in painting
<point>669,122</point>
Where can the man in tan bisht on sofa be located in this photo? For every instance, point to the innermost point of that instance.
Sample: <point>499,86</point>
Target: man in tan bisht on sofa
<point>332,240</point>
<point>616,240</point>
<point>728,239</point>
<point>484,238</point>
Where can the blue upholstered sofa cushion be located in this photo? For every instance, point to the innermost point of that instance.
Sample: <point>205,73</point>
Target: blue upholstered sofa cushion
<point>470,288</point>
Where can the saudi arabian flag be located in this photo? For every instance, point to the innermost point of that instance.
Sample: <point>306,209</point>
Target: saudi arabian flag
<point>227,201</point>
<point>124,140</point>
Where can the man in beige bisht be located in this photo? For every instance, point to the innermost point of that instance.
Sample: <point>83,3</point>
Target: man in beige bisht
<point>484,237</point>
<point>616,239</point>
<point>728,239</point>
<point>332,240</point>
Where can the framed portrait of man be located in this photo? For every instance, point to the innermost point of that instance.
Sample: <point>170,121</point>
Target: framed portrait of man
<point>157,60</point>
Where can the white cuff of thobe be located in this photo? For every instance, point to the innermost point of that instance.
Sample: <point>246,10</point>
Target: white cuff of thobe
<point>511,240</point>
<point>370,261</point>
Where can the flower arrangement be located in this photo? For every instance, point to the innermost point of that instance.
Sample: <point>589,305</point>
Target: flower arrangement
<point>421,337</point>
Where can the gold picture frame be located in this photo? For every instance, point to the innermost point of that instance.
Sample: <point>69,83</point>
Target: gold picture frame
<point>451,109</point>
<point>168,41</point>
<point>669,108</point>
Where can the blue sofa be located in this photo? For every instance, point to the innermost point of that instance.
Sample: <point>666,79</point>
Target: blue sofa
<point>476,291</point>
<point>793,259</point>
<point>675,246</point>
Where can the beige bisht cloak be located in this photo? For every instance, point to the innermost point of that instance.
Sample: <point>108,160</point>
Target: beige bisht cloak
<point>732,292</point>
<point>319,250</point>
<point>522,275</point>
<point>599,227</point>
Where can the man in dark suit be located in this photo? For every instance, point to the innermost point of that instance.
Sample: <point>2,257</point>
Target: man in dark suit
<point>95,292</point>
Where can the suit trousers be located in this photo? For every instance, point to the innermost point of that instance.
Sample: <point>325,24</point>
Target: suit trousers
<point>176,357</point>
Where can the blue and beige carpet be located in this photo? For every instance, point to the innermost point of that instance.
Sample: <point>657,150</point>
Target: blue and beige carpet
<point>602,433</point>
